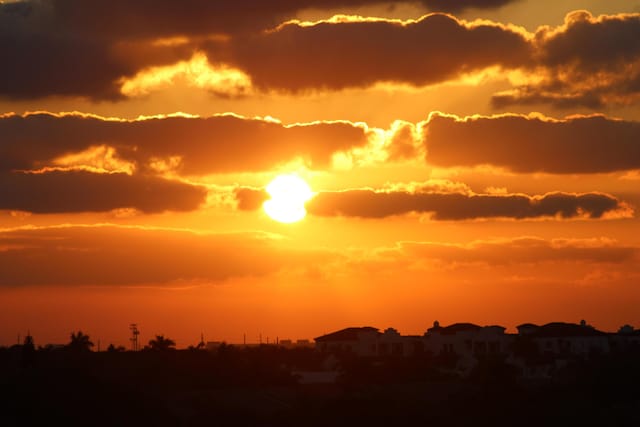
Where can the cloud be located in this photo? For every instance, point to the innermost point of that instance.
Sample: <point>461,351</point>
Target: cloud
<point>359,52</point>
<point>109,255</point>
<point>111,50</point>
<point>371,204</point>
<point>456,6</point>
<point>48,57</point>
<point>580,144</point>
<point>113,256</point>
<point>81,191</point>
<point>366,203</point>
<point>250,199</point>
<point>521,250</point>
<point>193,146</point>
<point>88,48</point>
<point>589,62</point>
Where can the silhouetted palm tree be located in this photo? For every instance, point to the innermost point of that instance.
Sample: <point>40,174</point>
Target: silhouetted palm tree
<point>160,343</point>
<point>80,342</point>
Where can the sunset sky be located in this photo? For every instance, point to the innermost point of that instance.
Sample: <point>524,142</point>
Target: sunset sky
<point>470,160</point>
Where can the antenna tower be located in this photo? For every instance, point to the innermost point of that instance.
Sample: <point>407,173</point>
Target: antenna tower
<point>134,336</point>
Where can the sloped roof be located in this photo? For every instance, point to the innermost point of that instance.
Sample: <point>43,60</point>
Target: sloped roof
<point>347,334</point>
<point>560,329</point>
<point>527,325</point>
<point>454,328</point>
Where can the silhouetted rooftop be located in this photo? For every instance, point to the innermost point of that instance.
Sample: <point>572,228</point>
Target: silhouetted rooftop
<point>527,325</point>
<point>347,334</point>
<point>560,329</point>
<point>454,328</point>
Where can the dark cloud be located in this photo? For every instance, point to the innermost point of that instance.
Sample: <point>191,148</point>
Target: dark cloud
<point>123,19</point>
<point>591,43</point>
<point>205,145</point>
<point>588,62</point>
<point>338,55</point>
<point>88,49</point>
<point>79,191</point>
<point>48,57</point>
<point>456,6</point>
<point>450,206</point>
<point>587,144</point>
<point>81,48</point>
<point>133,256</point>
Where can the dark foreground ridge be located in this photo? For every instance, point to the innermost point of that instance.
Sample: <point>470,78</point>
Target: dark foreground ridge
<point>555,374</point>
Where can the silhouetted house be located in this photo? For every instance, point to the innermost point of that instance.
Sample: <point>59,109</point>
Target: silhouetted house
<point>370,342</point>
<point>391,343</point>
<point>568,339</point>
<point>526,329</point>
<point>466,339</point>
<point>626,338</point>
<point>361,341</point>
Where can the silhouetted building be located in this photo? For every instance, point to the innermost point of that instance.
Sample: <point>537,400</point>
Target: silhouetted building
<point>362,341</point>
<point>567,339</point>
<point>627,337</point>
<point>467,340</point>
<point>538,350</point>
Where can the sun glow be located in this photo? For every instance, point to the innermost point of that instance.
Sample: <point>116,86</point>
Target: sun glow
<point>288,194</point>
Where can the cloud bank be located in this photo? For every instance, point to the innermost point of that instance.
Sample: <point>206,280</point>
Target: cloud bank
<point>526,144</point>
<point>197,146</point>
<point>366,203</point>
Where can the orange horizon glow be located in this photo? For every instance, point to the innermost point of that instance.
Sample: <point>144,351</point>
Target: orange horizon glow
<point>306,168</point>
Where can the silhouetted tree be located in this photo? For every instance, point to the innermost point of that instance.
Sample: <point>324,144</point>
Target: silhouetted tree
<point>160,343</point>
<point>80,342</point>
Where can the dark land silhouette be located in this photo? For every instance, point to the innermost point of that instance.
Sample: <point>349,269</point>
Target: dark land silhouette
<point>275,385</point>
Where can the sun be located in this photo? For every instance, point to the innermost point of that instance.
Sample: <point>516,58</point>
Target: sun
<point>288,194</point>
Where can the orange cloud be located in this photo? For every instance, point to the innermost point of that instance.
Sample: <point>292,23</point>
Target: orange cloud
<point>197,72</point>
<point>194,146</point>
<point>523,250</point>
<point>579,144</point>
<point>120,256</point>
<point>60,191</point>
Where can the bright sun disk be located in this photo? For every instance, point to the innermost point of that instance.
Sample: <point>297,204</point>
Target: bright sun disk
<point>288,194</point>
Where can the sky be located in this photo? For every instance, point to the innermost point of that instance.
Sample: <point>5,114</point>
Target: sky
<point>468,161</point>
